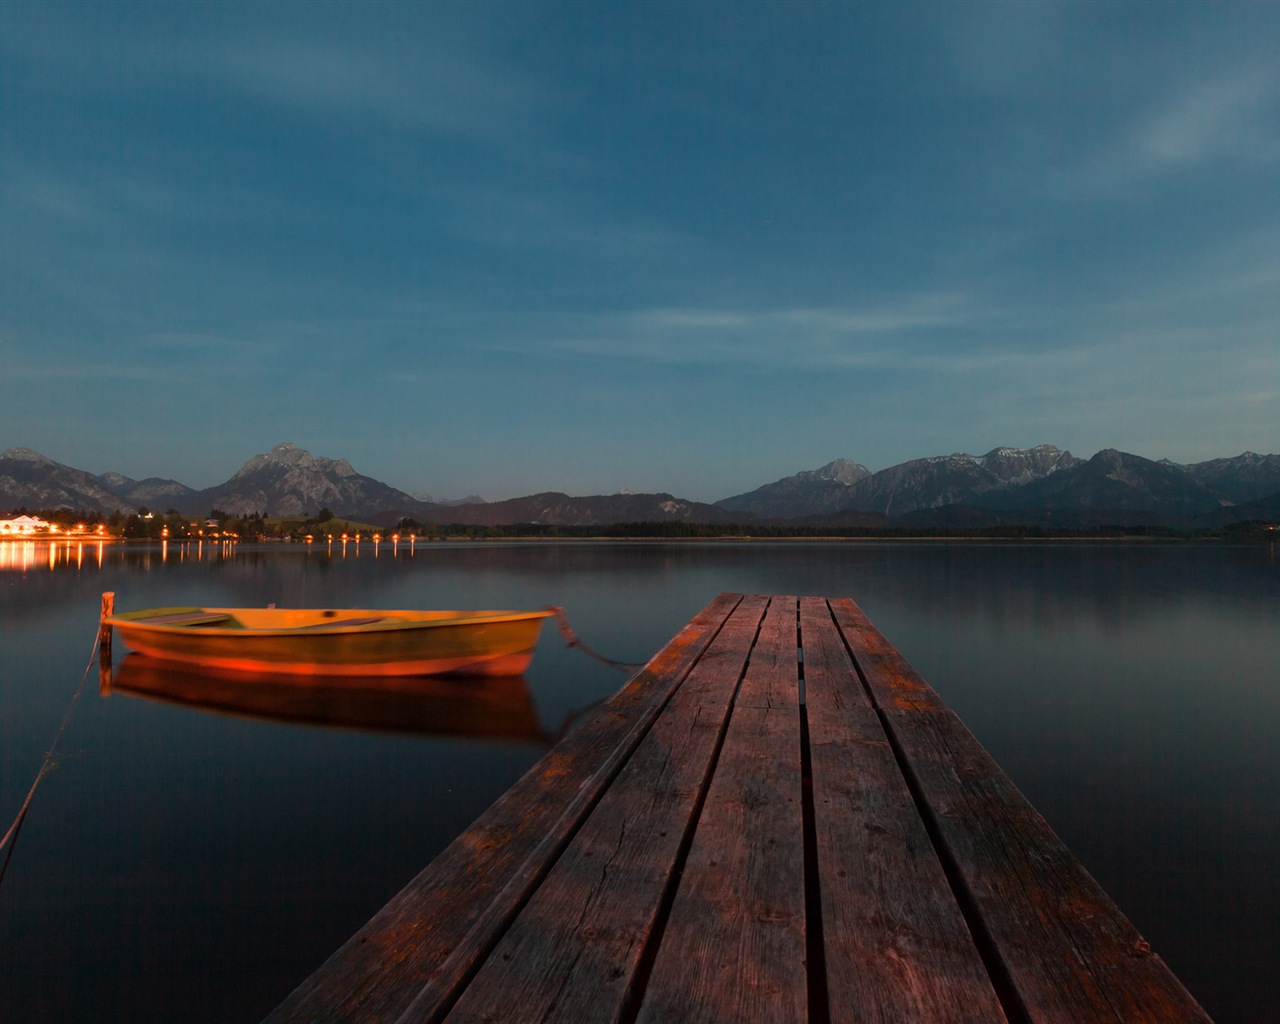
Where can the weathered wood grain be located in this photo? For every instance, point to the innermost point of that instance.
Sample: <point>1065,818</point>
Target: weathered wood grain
<point>897,947</point>
<point>720,668</point>
<point>1069,952</point>
<point>418,950</point>
<point>734,946</point>
<point>573,952</point>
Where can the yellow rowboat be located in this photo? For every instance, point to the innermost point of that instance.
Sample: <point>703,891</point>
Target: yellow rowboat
<point>344,642</point>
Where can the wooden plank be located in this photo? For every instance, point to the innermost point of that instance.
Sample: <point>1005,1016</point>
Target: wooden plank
<point>572,953</point>
<point>420,948</point>
<point>1070,955</point>
<point>773,677</point>
<point>705,687</point>
<point>895,684</point>
<point>734,946</point>
<point>897,948</point>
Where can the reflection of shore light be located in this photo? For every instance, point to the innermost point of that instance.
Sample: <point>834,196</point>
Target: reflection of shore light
<point>19,556</point>
<point>9,556</point>
<point>23,556</point>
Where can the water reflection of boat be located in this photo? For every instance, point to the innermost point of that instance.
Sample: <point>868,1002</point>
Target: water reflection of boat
<point>496,707</point>
<point>355,642</point>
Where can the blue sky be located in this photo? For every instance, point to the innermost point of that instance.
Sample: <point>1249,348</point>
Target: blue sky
<point>493,249</point>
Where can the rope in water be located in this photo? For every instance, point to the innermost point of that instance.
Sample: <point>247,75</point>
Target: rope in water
<point>11,837</point>
<point>571,639</point>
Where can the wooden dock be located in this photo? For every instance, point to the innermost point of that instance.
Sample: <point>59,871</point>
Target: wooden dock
<point>777,819</point>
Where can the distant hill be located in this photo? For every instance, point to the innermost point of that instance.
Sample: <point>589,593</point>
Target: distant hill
<point>1043,486</point>
<point>1264,510</point>
<point>29,478</point>
<point>285,481</point>
<point>553,508</point>
<point>1111,480</point>
<point>811,492</point>
<point>154,492</point>
<point>921,483</point>
<point>1246,477</point>
<point>290,481</point>
<point>958,479</point>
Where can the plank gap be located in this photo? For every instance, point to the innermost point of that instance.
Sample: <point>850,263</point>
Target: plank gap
<point>815,947</point>
<point>800,684</point>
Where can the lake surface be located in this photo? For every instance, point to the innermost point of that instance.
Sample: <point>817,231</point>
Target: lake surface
<point>188,863</point>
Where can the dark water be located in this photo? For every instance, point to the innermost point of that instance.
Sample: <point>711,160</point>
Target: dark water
<point>188,864</point>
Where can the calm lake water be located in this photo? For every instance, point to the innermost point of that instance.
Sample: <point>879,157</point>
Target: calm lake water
<point>190,864</point>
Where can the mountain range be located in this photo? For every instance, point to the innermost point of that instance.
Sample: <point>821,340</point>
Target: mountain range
<point>1043,485</point>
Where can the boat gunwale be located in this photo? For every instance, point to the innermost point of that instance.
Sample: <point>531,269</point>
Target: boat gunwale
<point>126,621</point>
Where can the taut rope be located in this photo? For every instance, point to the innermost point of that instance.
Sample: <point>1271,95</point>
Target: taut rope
<point>571,639</point>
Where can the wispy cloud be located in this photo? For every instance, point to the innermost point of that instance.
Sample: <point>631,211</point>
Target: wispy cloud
<point>418,68</point>
<point>433,88</point>
<point>752,340</point>
<point>1233,117</point>
<point>1227,117</point>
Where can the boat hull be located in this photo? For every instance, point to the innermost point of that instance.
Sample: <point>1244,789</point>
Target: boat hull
<point>347,642</point>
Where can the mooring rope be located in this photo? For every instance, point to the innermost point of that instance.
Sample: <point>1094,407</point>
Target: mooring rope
<point>571,639</point>
<point>46,766</point>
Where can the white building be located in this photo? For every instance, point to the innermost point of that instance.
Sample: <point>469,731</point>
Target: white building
<point>23,526</point>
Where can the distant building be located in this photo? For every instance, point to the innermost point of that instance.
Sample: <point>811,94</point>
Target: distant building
<point>23,526</point>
